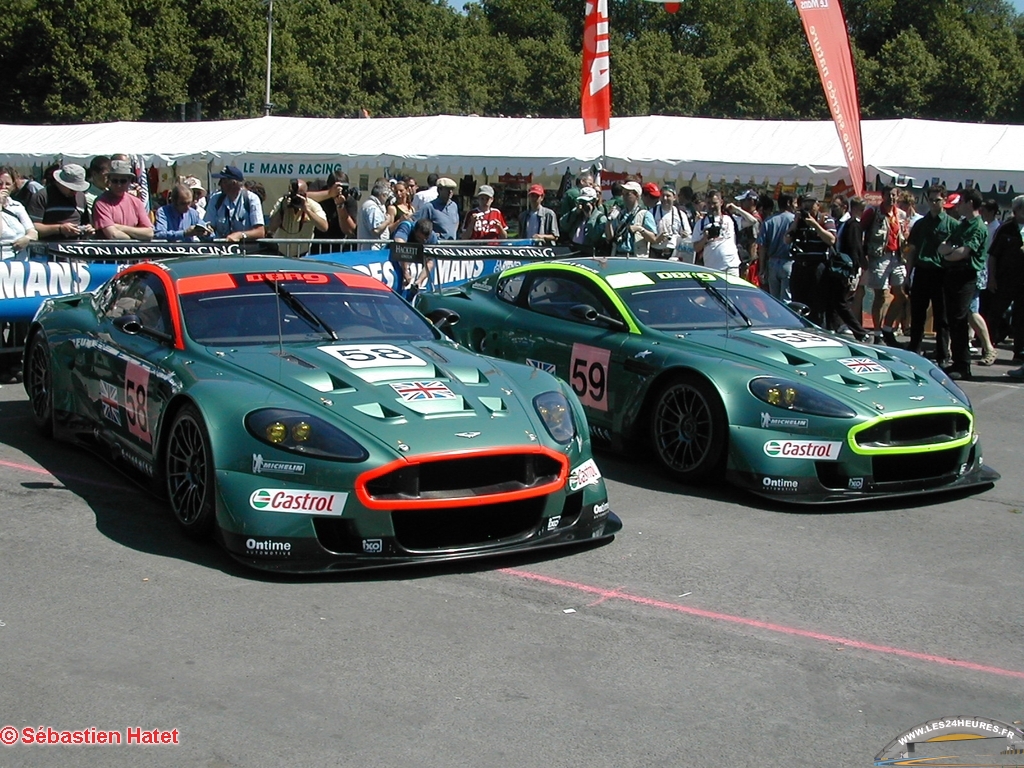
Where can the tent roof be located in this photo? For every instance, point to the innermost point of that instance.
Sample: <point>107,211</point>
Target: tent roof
<point>655,146</point>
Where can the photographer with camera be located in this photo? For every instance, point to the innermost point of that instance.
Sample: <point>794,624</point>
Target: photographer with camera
<point>714,236</point>
<point>296,216</point>
<point>631,228</point>
<point>810,237</point>
<point>340,202</point>
<point>586,224</point>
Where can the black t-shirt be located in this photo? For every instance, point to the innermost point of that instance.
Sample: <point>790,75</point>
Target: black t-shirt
<point>50,206</point>
<point>807,245</point>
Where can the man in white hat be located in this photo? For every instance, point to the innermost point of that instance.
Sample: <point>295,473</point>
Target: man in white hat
<point>631,229</point>
<point>198,193</point>
<point>484,222</point>
<point>442,211</point>
<point>118,215</point>
<point>59,210</point>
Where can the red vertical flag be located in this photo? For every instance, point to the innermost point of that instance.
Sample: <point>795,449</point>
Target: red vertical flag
<point>596,95</point>
<point>825,26</point>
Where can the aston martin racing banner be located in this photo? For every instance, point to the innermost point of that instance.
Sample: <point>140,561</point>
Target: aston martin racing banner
<point>596,93</point>
<point>825,26</point>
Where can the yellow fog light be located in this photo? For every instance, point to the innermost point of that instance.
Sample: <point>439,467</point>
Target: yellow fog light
<point>790,395</point>
<point>301,432</point>
<point>276,432</point>
<point>774,396</point>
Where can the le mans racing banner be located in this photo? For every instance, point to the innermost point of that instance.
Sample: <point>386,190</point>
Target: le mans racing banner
<point>825,26</point>
<point>596,92</point>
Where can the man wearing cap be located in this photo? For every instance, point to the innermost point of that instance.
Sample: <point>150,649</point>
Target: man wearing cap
<point>59,210</point>
<point>484,222</point>
<point>748,227</point>
<point>631,229</point>
<point>442,211</point>
<point>586,224</point>
<point>925,266</point>
<point>118,215</point>
<point>963,256</point>
<point>234,213</point>
<point>568,204</point>
<point>538,222</point>
<point>672,226</point>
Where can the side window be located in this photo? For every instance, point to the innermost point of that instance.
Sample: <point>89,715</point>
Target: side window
<point>509,287</point>
<point>556,295</point>
<point>140,294</point>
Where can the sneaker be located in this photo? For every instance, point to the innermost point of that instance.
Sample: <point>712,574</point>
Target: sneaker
<point>988,358</point>
<point>1016,373</point>
<point>975,351</point>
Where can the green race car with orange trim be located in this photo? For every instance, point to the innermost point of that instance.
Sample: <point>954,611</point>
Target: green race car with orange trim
<point>311,419</point>
<point>715,376</point>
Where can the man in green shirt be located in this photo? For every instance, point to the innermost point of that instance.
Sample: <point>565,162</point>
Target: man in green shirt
<point>963,256</point>
<point>925,266</point>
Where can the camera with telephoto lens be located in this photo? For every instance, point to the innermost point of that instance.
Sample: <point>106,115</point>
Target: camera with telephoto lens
<point>295,200</point>
<point>352,193</point>
<point>713,230</point>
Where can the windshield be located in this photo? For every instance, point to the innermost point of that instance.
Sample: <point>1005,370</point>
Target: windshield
<point>250,312</point>
<point>672,305</point>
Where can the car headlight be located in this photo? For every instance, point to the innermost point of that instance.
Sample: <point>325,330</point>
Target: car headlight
<point>304,434</point>
<point>556,413</point>
<point>796,396</point>
<point>940,376</point>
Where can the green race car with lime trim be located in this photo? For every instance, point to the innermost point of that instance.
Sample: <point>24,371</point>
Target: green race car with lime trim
<point>311,419</point>
<point>714,375</point>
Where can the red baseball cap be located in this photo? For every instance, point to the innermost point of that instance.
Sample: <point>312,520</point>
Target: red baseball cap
<point>952,200</point>
<point>535,189</point>
<point>650,188</point>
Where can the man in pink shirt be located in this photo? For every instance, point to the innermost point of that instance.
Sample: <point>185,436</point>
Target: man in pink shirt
<point>117,215</point>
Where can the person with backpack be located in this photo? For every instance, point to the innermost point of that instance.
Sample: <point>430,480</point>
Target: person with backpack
<point>234,214</point>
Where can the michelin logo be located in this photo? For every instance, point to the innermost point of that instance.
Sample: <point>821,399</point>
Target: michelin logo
<point>260,465</point>
<point>782,422</point>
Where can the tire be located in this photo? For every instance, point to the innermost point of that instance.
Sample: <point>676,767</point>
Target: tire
<point>39,384</point>
<point>688,429</point>
<point>189,472</point>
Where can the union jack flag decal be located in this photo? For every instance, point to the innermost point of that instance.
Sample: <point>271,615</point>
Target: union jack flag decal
<point>422,390</point>
<point>109,403</point>
<point>863,365</point>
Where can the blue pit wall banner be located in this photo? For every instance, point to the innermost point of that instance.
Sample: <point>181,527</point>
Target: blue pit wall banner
<point>65,268</point>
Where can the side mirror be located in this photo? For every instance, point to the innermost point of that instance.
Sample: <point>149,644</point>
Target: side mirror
<point>588,314</point>
<point>584,312</point>
<point>800,308</point>
<point>443,318</point>
<point>130,324</point>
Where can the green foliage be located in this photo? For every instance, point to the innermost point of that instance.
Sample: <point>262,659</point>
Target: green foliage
<point>90,60</point>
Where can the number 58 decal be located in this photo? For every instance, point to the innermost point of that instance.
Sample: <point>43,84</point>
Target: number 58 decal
<point>588,375</point>
<point>136,388</point>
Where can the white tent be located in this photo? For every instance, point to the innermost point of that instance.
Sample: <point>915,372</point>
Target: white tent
<point>655,146</point>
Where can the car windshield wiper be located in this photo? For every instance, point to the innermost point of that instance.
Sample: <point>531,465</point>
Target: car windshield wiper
<point>729,306</point>
<point>295,304</point>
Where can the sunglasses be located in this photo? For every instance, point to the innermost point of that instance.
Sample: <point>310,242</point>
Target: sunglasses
<point>119,180</point>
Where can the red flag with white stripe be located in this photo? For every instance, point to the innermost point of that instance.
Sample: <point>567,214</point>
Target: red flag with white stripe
<point>825,26</point>
<point>596,92</point>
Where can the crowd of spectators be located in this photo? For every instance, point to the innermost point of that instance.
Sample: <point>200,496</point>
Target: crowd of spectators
<point>965,271</point>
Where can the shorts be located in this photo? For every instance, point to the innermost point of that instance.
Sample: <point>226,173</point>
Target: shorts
<point>888,269</point>
<point>976,302</point>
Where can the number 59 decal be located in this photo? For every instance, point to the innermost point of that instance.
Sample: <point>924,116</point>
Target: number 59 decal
<point>588,375</point>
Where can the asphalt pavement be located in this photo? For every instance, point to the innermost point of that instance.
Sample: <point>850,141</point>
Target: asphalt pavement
<point>716,629</point>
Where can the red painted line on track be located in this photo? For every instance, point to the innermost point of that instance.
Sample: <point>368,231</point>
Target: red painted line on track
<point>41,471</point>
<point>614,594</point>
